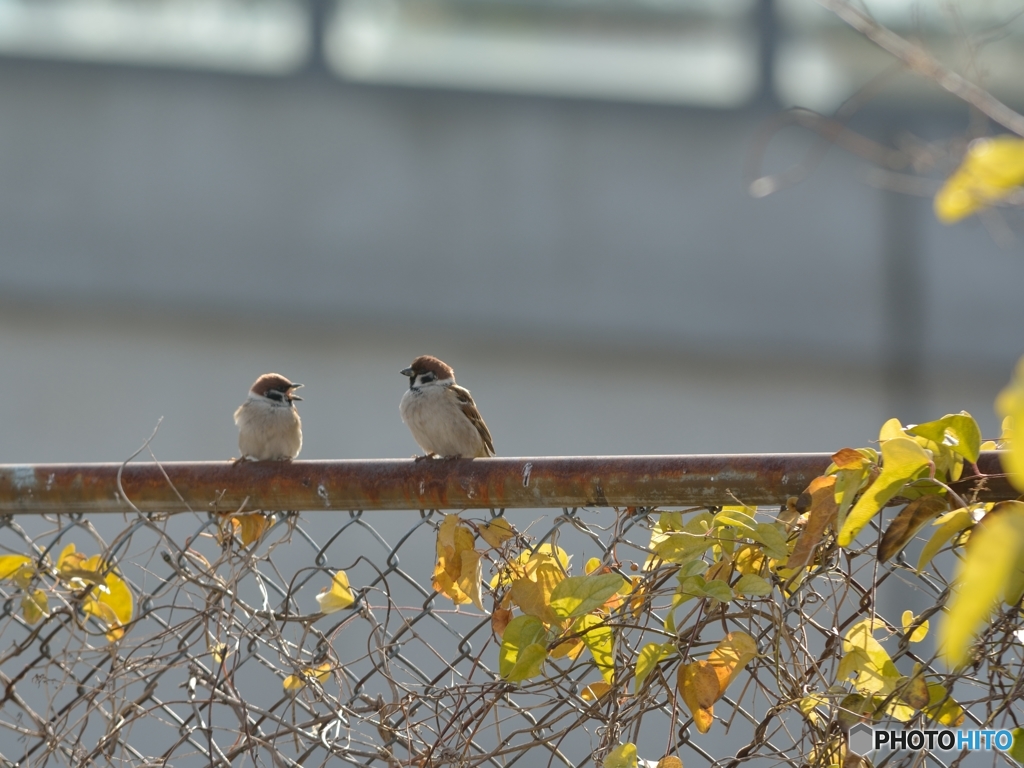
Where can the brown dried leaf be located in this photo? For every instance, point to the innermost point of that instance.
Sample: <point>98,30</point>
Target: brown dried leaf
<point>823,513</point>
<point>849,458</point>
<point>500,617</point>
<point>908,522</point>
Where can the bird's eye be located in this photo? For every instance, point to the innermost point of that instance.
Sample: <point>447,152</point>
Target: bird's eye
<point>273,394</point>
<point>427,377</point>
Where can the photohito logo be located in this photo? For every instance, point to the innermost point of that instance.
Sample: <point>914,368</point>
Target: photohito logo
<point>864,739</point>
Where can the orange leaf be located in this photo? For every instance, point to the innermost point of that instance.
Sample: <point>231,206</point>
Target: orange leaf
<point>251,527</point>
<point>730,656</point>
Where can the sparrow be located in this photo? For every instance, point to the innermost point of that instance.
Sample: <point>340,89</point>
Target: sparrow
<point>440,414</point>
<point>269,428</point>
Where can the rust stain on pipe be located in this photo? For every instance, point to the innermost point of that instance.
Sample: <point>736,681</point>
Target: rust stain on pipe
<point>757,479</point>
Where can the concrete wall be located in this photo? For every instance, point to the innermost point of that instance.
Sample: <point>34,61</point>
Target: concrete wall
<point>595,272</point>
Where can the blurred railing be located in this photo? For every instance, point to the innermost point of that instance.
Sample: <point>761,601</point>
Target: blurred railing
<point>226,658</point>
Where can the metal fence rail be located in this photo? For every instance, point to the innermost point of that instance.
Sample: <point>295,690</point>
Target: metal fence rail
<point>403,677</point>
<point>507,483</point>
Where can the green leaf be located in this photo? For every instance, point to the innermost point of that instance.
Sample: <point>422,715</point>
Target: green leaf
<point>681,547</point>
<point>990,564</point>
<point>623,756</point>
<point>522,651</point>
<point>597,636</point>
<point>752,586</point>
<point>950,524</point>
<point>692,568</point>
<point>737,517</point>
<point>648,659</point>
<point>1016,750</point>
<point>718,589</point>
<point>957,430</point>
<point>773,539</point>
<point>903,461</point>
<point>578,595</point>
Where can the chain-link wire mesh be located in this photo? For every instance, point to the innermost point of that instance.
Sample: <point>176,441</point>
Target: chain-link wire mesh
<point>405,678</point>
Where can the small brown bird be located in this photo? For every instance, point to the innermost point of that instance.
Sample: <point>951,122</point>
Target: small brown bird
<point>269,428</point>
<point>440,414</point>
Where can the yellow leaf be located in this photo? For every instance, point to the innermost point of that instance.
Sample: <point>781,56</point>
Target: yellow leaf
<point>337,596</point>
<point>891,429</point>
<point>595,691</point>
<point>908,522</point>
<point>991,169</point>
<point>219,651</point>
<point>822,514</point>
<point>34,605</point>
<point>950,524</point>
<point>730,656</point>
<point>109,600</point>
<point>600,641</point>
<point>647,660</point>
<point>570,649</point>
<point>527,562</point>
<point>1010,405</point>
<point>623,756</point>
<point>532,593</point>
<point>11,564</point>
<point>993,557</point>
<point>497,532</point>
<point>941,708</point>
<point>296,682</point>
<point>903,461</point>
<point>698,686</point>
<point>670,761</point>
<point>72,567</point>
<point>522,651</point>
<point>591,565</point>
<point>808,705</point>
<point>251,527</point>
<point>918,634</point>
<point>578,595</point>
<point>876,671</point>
<point>458,571</point>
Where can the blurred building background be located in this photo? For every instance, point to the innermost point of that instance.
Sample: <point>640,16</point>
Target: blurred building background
<point>548,195</point>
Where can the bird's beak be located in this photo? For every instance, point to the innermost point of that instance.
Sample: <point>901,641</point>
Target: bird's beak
<point>407,372</point>
<point>293,397</point>
<point>291,392</point>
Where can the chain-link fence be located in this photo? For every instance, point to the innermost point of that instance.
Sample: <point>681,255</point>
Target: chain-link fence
<point>226,658</point>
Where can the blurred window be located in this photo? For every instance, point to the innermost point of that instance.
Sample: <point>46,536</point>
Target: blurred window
<point>697,52</point>
<point>821,61</point>
<point>263,36</point>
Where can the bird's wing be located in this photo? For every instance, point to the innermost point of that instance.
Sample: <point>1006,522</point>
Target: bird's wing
<point>465,401</point>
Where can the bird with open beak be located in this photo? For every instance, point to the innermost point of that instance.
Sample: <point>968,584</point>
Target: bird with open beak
<point>269,428</point>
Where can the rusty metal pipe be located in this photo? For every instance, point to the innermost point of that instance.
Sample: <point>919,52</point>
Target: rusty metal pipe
<point>757,479</point>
